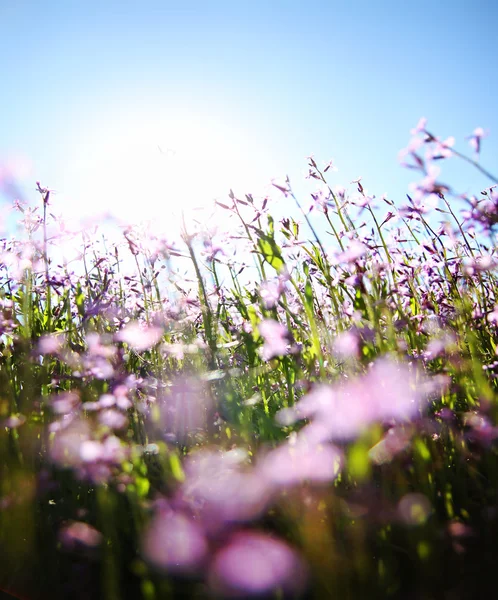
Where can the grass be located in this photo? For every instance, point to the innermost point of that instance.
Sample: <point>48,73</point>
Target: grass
<point>324,429</point>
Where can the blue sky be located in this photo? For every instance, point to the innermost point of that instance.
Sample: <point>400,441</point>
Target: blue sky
<point>143,108</point>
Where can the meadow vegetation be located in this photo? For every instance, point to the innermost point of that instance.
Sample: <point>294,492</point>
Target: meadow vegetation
<point>325,428</point>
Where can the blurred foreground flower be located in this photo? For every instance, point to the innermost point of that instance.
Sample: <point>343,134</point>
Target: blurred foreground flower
<point>175,543</point>
<point>185,409</point>
<point>139,337</point>
<point>254,565</point>
<point>79,537</point>
<point>221,490</point>
<point>276,339</point>
<point>293,463</point>
<point>388,392</point>
<point>414,509</point>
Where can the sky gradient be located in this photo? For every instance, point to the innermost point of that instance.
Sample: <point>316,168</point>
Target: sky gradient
<point>146,108</point>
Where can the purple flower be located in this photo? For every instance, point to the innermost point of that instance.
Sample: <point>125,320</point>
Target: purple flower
<point>96,349</point>
<point>389,391</point>
<point>414,509</point>
<point>139,337</point>
<point>51,343</point>
<point>276,339</point>
<point>65,448</point>
<point>482,431</point>
<point>394,441</point>
<point>475,139</point>
<point>293,463</point>
<point>184,409</point>
<point>175,543</point>
<point>420,127</point>
<point>221,490</point>
<point>14,421</point>
<point>270,291</point>
<point>114,419</point>
<point>65,403</point>
<point>347,344</point>
<point>80,537</point>
<point>355,251</point>
<point>256,564</point>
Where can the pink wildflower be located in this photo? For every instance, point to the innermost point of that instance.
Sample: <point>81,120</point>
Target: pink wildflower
<point>276,339</point>
<point>389,391</point>
<point>140,338</point>
<point>175,543</point>
<point>256,564</point>
<point>475,139</point>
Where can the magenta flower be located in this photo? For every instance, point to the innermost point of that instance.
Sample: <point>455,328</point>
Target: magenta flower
<point>276,339</point>
<point>256,564</point>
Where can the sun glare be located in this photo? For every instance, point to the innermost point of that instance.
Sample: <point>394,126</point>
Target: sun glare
<point>161,171</point>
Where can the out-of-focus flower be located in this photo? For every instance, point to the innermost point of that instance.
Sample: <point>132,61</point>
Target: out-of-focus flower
<point>420,127</point>
<point>65,450</point>
<point>179,350</point>
<point>293,463</point>
<point>79,537</point>
<point>211,250</point>
<point>276,339</point>
<point>437,346</point>
<point>322,200</point>
<point>394,441</point>
<point>414,509</point>
<point>14,421</point>
<point>185,408</point>
<point>65,402</point>
<point>139,337</point>
<point>50,344</point>
<point>254,565</point>
<point>175,543</point>
<point>389,391</point>
<point>479,264</point>
<point>355,251</point>
<point>347,344</point>
<point>75,447</point>
<point>475,139</point>
<point>220,489</point>
<point>114,419</point>
<point>427,191</point>
<point>492,317</point>
<point>482,431</point>
<point>441,149</point>
<point>270,291</point>
<point>97,349</point>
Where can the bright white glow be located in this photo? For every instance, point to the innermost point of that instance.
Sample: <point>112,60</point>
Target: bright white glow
<point>158,170</point>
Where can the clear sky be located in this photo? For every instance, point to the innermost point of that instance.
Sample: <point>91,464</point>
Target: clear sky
<point>144,108</point>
